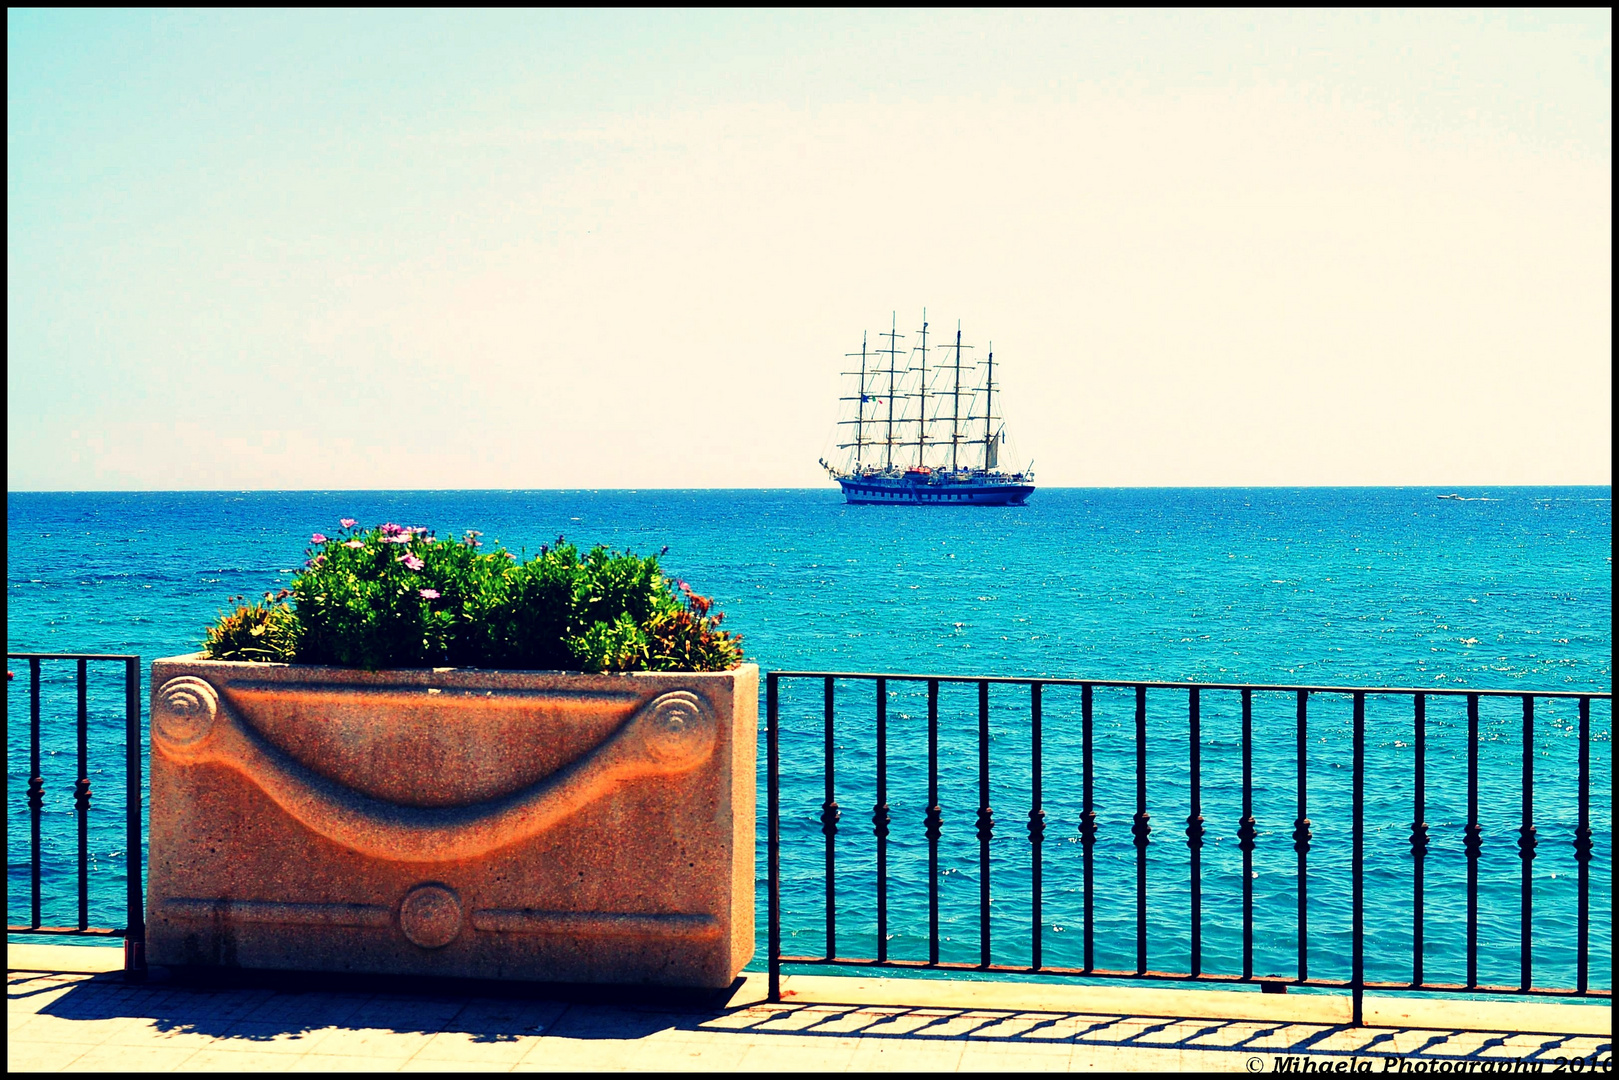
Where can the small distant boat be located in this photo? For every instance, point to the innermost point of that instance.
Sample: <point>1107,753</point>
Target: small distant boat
<point>955,462</point>
<point>1452,495</point>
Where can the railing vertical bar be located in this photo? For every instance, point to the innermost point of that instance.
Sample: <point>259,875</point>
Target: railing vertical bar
<point>1582,849</point>
<point>1419,835</point>
<point>135,934</point>
<point>1246,833</point>
<point>829,828</point>
<point>1037,829</point>
<point>1302,835</point>
<point>36,782</point>
<point>1473,841</point>
<point>1194,822</point>
<point>773,831</point>
<point>81,794</point>
<point>1141,829</point>
<point>1526,849</point>
<point>879,820</point>
<point>1087,824</point>
<point>934,821</point>
<point>986,824</point>
<point>1357,868</point>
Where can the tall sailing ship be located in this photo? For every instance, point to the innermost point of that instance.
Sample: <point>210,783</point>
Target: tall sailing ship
<point>900,452</point>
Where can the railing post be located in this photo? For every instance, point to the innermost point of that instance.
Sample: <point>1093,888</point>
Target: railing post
<point>986,825</point>
<point>1037,827</point>
<point>1582,849</point>
<point>1246,833</point>
<point>81,794</point>
<point>1087,825</point>
<point>1472,840</point>
<point>36,782</point>
<point>1419,836</point>
<point>135,934</point>
<point>773,833</point>
<point>1357,869</point>
<point>1301,839</point>
<point>1194,822</point>
<point>829,828</point>
<point>880,820</point>
<point>1141,828</point>
<point>934,821</point>
<point>1526,849</point>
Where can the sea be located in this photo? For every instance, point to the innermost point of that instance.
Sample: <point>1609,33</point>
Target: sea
<point>1499,588</point>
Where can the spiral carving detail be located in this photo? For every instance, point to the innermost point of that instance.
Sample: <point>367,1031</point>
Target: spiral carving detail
<point>185,710</point>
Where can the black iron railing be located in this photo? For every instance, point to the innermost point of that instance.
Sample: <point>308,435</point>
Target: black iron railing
<point>1196,831</point>
<point>134,930</point>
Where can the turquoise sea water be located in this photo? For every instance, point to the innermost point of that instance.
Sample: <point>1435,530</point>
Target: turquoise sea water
<point>1509,589</point>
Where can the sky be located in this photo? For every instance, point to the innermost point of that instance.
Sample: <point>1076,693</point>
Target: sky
<point>630,249</point>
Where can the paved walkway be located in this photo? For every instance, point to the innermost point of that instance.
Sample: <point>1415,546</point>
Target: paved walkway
<point>70,1009</point>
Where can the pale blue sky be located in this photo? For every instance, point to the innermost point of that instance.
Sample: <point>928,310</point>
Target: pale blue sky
<point>628,249</point>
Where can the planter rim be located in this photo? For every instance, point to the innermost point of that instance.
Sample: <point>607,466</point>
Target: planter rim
<point>201,658</point>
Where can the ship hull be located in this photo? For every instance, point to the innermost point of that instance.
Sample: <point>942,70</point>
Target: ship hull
<point>887,491</point>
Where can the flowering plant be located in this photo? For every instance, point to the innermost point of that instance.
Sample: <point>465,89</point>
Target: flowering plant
<point>398,596</point>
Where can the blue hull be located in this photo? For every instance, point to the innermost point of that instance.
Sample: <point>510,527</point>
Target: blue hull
<point>888,492</point>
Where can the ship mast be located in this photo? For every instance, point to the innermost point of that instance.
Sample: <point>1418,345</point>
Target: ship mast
<point>859,420</point>
<point>860,409</point>
<point>955,403</point>
<point>989,407</point>
<point>888,432</point>
<point>922,398</point>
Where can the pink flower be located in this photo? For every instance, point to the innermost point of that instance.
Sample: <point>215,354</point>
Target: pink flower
<point>390,529</point>
<point>348,523</point>
<point>354,544</point>
<point>318,538</point>
<point>509,555</point>
<point>411,562</point>
<point>428,594</point>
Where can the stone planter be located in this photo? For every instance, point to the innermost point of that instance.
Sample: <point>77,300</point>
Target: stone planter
<point>487,824</point>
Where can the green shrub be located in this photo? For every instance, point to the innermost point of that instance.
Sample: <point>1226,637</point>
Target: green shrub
<point>265,631</point>
<point>397,597</point>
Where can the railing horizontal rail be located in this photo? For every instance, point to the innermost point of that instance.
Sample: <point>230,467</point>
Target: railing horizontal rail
<point>1354,846</point>
<point>134,931</point>
<point>1289,688</point>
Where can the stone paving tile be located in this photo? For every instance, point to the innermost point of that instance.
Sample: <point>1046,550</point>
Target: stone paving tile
<point>800,1053</point>
<point>41,1056</point>
<point>320,1009</point>
<point>1178,1031</point>
<point>489,1015</point>
<point>1409,1041</point>
<point>373,1042</point>
<point>132,1059</point>
<point>1582,1046</point>
<point>460,1046</point>
<point>351,1063</point>
<point>1283,1036</point>
<point>1229,1033</point>
<point>1346,1040</point>
<point>251,1061</point>
<point>894,1055</point>
<point>1460,1043</point>
<point>1010,1027</point>
<point>1518,1046</point>
<point>271,1038</point>
<point>1013,1057</point>
<point>145,1032</point>
<point>1123,1030</point>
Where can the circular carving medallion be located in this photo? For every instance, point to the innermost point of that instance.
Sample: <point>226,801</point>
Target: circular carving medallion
<point>430,916</point>
<point>680,730</point>
<point>185,711</point>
